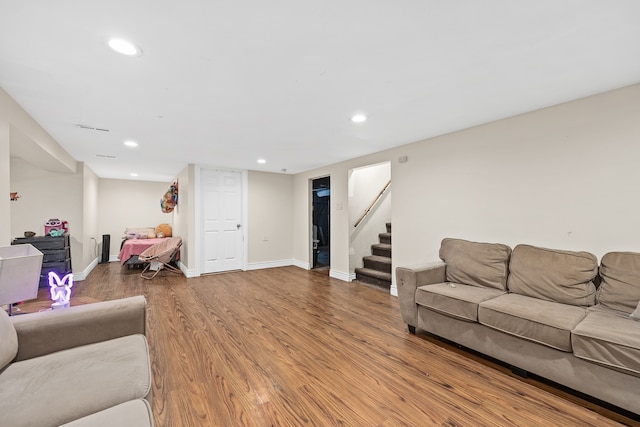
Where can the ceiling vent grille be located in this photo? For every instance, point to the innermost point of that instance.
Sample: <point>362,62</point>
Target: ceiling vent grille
<point>92,128</point>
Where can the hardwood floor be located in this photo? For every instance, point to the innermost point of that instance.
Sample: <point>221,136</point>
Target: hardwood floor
<point>290,347</point>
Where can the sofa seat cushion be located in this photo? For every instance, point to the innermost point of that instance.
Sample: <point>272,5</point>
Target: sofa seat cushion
<point>620,287</point>
<point>455,299</point>
<point>553,275</point>
<point>476,264</point>
<point>545,322</point>
<point>134,413</point>
<point>67,385</point>
<point>608,338</point>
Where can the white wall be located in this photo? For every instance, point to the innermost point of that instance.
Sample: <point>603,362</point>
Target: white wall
<point>5,174</point>
<point>340,217</point>
<point>90,237</point>
<point>184,219</point>
<point>127,203</point>
<point>21,136</point>
<point>365,185</point>
<point>270,215</point>
<point>46,195</point>
<point>564,177</point>
<point>49,182</point>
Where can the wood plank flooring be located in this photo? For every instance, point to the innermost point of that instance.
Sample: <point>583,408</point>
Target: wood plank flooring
<point>290,347</point>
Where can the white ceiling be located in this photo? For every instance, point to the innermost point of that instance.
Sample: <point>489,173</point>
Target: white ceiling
<point>223,83</point>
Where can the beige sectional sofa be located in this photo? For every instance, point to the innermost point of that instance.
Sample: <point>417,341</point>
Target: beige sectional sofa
<point>81,366</point>
<point>537,309</point>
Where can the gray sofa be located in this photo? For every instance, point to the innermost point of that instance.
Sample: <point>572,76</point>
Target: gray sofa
<point>81,366</point>
<point>536,309</point>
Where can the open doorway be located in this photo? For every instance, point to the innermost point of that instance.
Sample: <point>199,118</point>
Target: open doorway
<point>321,221</point>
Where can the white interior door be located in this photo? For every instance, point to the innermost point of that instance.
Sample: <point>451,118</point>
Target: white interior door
<point>222,213</point>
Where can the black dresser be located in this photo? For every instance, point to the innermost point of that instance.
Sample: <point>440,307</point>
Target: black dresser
<point>56,254</point>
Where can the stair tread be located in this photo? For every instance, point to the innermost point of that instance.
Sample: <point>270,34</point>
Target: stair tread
<point>373,273</point>
<point>382,246</point>
<point>378,258</point>
<point>384,234</point>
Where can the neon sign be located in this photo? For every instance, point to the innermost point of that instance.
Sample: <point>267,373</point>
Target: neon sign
<point>60,289</point>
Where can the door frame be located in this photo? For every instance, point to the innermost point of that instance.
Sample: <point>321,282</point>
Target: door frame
<point>310,193</point>
<point>198,221</point>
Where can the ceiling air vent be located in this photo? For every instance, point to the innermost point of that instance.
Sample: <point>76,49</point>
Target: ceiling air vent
<point>92,128</point>
<point>106,156</point>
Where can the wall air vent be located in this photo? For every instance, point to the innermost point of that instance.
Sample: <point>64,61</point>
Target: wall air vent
<point>92,128</point>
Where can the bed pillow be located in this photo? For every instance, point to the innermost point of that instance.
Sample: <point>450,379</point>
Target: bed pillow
<point>139,233</point>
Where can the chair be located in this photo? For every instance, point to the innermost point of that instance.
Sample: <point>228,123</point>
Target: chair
<point>160,256</point>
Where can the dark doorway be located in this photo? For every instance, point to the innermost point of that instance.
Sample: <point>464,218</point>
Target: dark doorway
<point>321,190</point>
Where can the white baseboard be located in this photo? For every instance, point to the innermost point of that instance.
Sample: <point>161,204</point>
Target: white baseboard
<point>301,264</point>
<point>270,264</point>
<point>393,290</point>
<point>345,277</point>
<point>187,273</point>
<point>78,277</point>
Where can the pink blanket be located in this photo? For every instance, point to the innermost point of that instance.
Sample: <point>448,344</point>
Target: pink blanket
<point>133,247</point>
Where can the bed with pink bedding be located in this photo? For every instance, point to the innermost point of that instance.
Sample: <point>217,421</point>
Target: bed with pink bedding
<point>131,248</point>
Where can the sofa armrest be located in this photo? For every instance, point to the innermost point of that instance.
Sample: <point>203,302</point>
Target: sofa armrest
<point>408,279</point>
<point>50,331</point>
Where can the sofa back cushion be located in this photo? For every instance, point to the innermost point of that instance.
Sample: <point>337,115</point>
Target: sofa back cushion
<point>8,340</point>
<point>553,275</point>
<point>620,286</point>
<point>476,264</point>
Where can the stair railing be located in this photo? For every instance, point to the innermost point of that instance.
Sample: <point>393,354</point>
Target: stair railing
<point>372,204</point>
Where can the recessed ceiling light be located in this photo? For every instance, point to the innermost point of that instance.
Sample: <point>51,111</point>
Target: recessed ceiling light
<point>131,143</point>
<point>358,118</point>
<point>262,161</point>
<point>125,47</point>
<point>134,174</point>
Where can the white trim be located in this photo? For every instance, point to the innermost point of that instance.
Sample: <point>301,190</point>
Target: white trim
<point>245,218</point>
<point>188,273</point>
<point>345,277</point>
<point>393,290</point>
<point>197,219</point>
<point>270,264</point>
<point>114,258</point>
<point>199,214</point>
<point>78,277</point>
<point>301,264</point>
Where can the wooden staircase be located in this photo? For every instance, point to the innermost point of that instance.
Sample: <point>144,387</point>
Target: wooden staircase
<point>377,266</point>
